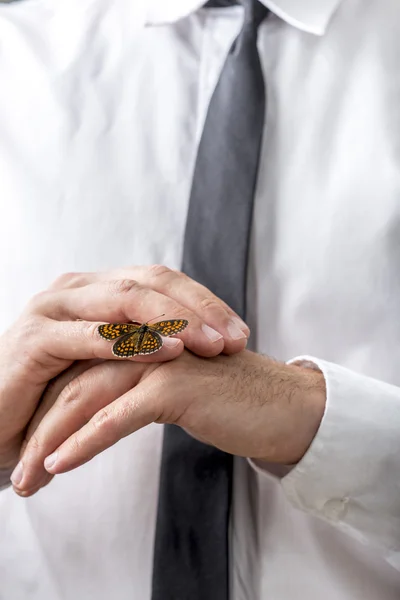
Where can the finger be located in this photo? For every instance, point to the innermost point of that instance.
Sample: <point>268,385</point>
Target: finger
<point>129,413</point>
<point>63,415</point>
<point>183,290</point>
<point>126,300</point>
<point>194,296</point>
<point>80,340</point>
<point>160,278</point>
<point>53,390</point>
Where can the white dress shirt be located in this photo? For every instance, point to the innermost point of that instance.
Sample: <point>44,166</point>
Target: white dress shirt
<point>101,108</point>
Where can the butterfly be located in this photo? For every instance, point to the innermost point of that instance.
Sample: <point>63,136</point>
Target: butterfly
<point>139,338</point>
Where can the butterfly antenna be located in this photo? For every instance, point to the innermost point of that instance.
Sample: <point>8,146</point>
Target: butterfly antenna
<point>154,318</point>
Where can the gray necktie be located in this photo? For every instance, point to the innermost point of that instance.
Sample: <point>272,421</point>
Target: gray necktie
<point>191,560</point>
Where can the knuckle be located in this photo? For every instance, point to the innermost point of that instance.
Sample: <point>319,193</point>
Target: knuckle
<point>91,338</point>
<point>37,302</point>
<point>124,286</point>
<point>66,280</point>
<point>72,392</point>
<point>157,271</point>
<point>35,444</point>
<point>180,312</point>
<point>76,445</point>
<point>26,341</point>
<point>209,303</point>
<point>101,418</point>
<point>102,422</point>
<point>91,331</point>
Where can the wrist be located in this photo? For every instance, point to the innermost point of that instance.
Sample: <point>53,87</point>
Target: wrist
<point>301,398</point>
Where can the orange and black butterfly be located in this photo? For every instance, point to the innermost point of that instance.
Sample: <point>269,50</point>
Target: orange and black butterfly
<point>139,338</point>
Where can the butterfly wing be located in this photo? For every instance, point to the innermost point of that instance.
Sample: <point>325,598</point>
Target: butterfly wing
<point>152,342</point>
<point>112,331</point>
<point>135,344</point>
<point>170,327</point>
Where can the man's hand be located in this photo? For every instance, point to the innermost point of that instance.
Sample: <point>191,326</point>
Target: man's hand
<point>60,326</point>
<point>246,404</point>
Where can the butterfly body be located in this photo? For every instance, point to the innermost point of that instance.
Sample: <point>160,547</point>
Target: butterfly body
<point>139,338</point>
<point>141,335</point>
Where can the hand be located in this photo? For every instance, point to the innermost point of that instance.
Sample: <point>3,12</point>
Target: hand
<point>60,325</point>
<point>247,405</point>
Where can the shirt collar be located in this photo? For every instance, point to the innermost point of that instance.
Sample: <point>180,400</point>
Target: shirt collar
<point>312,16</point>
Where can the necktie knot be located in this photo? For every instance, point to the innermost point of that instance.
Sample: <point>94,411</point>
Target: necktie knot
<point>220,3</point>
<point>254,13</point>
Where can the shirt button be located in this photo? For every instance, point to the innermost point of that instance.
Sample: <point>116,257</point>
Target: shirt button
<point>335,509</point>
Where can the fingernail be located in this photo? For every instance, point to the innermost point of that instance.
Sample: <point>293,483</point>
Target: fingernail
<point>16,475</point>
<point>241,324</point>
<point>171,342</point>
<point>235,333</point>
<point>211,333</point>
<point>50,461</point>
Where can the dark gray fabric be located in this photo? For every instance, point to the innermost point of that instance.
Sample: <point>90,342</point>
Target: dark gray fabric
<point>5,475</point>
<point>220,210</point>
<point>221,3</point>
<point>191,558</point>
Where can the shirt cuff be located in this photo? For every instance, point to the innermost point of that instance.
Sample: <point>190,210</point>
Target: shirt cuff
<point>350,475</point>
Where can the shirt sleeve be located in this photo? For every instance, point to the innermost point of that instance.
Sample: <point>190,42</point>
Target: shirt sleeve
<point>350,475</point>
<point>5,475</point>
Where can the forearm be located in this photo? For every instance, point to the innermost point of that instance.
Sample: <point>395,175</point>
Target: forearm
<point>306,392</point>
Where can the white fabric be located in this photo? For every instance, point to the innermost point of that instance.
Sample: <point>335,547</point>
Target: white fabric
<point>100,116</point>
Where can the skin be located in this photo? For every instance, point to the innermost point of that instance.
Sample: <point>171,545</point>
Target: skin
<point>59,326</point>
<point>245,404</point>
<point>239,401</point>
